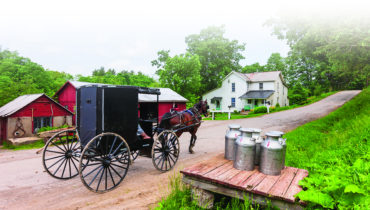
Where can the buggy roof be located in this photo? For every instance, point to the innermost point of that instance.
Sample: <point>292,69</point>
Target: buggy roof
<point>141,90</point>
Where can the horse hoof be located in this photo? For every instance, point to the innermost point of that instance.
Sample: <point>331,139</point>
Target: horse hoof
<point>191,151</point>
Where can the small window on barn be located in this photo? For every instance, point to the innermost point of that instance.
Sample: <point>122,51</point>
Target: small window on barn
<point>232,102</point>
<point>232,87</point>
<point>40,122</point>
<point>261,86</point>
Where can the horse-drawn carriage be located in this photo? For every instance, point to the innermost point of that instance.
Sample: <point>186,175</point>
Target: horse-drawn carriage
<point>105,142</point>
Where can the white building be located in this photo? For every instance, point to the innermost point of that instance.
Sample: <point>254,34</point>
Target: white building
<point>247,91</point>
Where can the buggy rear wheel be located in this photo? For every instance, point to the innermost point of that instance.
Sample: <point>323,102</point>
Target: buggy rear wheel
<point>165,151</point>
<point>134,154</point>
<point>61,153</point>
<point>104,162</point>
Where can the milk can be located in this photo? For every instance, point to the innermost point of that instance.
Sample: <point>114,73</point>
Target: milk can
<point>283,143</point>
<point>245,150</point>
<point>271,162</point>
<point>258,139</point>
<point>230,138</point>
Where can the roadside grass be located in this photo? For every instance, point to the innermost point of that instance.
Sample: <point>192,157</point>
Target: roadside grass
<point>335,150</point>
<point>180,198</point>
<point>310,100</point>
<point>33,145</point>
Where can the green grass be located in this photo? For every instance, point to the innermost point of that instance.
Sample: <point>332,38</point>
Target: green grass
<point>180,198</point>
<point>34,145</point>
<point>310,100</point>
<point>335,151</point>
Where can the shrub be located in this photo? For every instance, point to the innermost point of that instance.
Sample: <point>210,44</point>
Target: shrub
<point>236,112</point>
<point>277,105</point>
<point>261,109</point>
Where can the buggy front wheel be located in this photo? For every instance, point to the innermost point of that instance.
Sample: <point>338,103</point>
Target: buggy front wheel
<point>165,151</point>
<point>61,154</point>
<point>104,162</point>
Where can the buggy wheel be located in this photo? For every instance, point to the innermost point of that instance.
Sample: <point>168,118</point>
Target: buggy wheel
<point>165,151</point>
<point>61,154</point>
<point>134,154</point>
<point>104,162</point>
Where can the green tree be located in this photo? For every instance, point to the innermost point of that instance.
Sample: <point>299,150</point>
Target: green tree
<point>334,51</point>
<point>181,73</point>
<point>276,63</point>
<point>256,67</point>
<point>218,55</point>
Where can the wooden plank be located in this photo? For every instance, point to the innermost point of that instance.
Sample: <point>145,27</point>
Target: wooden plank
<point>223,178</point>
<point>252,181</point>
<point>205,166</point>
<point>294,188</point>
<point>236,193</point>
<point>282,185</point>
<point>218,171</point>
<point>267,183</point>
<point>240,177</point>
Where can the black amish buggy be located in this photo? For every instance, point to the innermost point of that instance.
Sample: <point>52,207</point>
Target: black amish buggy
<point>106,142</point>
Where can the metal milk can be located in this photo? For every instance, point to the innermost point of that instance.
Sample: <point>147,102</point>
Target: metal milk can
<point>282,142</point>
<point>230,138</point>
<point>245,150</point>
<point>258,139</point>
<point>271,162</point>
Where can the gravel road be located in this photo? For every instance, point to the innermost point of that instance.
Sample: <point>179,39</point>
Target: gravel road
<point>25,185</point>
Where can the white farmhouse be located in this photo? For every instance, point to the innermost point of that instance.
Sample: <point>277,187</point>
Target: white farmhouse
<point>248,91</point>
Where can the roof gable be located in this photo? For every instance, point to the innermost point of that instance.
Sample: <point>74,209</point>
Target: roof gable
<point>263,76</point>
<point>21,102</point>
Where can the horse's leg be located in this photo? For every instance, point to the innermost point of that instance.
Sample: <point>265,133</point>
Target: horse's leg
<point>193,139</point>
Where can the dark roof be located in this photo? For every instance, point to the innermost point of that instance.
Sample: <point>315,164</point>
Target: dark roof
<point>257,94</point>
<point>22,101</point>
<point>216,98</point>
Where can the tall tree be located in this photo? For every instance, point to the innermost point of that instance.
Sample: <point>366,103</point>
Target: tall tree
<point>276,63</point>
<point>256,67</point>
<point>181,73</point>
<point>334,50</point>
<point>218,55</point>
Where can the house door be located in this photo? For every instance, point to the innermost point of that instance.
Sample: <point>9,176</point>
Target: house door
<point>3,129</point>
<point>255,102</point>
<point>218,105</point>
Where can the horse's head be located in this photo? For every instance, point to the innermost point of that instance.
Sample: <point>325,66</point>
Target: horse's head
<point>202,107</point>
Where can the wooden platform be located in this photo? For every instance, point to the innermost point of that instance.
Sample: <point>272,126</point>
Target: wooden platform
<point>218,176</point>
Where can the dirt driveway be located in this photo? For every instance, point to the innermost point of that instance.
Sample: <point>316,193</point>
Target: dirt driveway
<point>24,185</point>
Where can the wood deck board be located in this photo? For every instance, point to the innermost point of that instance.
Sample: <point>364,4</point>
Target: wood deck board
<point>282,185</point>
<point>221,172</point>
<point>294,188</point>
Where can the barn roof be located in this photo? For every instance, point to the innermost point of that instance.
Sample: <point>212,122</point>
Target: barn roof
<point>167,94</point>
<point>22,101</point>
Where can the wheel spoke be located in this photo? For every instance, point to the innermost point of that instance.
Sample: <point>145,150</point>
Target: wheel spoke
<point>59,167</point>
<point>92,171</point>
<point>116,172</point>
<point>57,146</point>
<point>65,165</point>
<point>96,175</point>
<point>70,168</point>
<point>106,177</point>
<point>55,152</point>
<point>74,165</point>
<point>102,174</point>
<point>118,166</point>
<point>111,147</point>
<point>55,157</point>
<point>119,146</point>
<point>110,173</point>
<point>56,162</point>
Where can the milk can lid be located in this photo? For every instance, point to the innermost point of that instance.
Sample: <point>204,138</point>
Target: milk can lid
<point>234,126</point>
<point>278,132</point>
<point>273,134</point>
<point>256,130</point>
<point>246,130</point>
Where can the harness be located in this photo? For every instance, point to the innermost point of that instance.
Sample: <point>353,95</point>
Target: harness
<point>192,111</point>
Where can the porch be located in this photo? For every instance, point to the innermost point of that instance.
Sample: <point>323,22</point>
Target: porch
<point>255,98</point>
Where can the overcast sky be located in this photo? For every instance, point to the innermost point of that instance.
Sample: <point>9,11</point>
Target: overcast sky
<point>80,36</point>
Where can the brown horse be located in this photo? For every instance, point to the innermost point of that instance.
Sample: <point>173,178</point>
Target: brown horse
<point>185,121</point>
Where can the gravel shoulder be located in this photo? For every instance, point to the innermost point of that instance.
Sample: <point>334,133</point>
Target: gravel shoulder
<point>25,185</point>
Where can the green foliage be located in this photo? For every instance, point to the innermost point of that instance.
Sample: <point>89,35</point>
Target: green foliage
<point>218,55</point>
<point>19,76</point>
<point>276,63</point>
<point>330,52</point>
<point>297,95</point>
<point>335,151</point>
<point>277,105</point>
<point>34,145</point>
<point>181,74</point>
<point>256,67</point>
<point>121,78</point>
<point>48,128</point>
<point>180,198</point>
<point>260,109</point>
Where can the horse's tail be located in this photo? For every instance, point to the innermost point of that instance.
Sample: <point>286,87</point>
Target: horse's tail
<point>165,121</point>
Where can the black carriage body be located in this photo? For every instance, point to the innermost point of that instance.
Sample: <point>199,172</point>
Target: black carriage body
<point>109,109</point>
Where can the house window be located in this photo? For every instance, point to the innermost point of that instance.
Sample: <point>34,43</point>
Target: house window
<point>39,122</point>
<point>232,87</point>
<point>232,102</point>
<point>261,86</point>
<point>249,101</point>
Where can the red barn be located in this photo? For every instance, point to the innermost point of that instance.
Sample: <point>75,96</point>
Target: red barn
<point>23,116</point>
<point>167,100</point>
